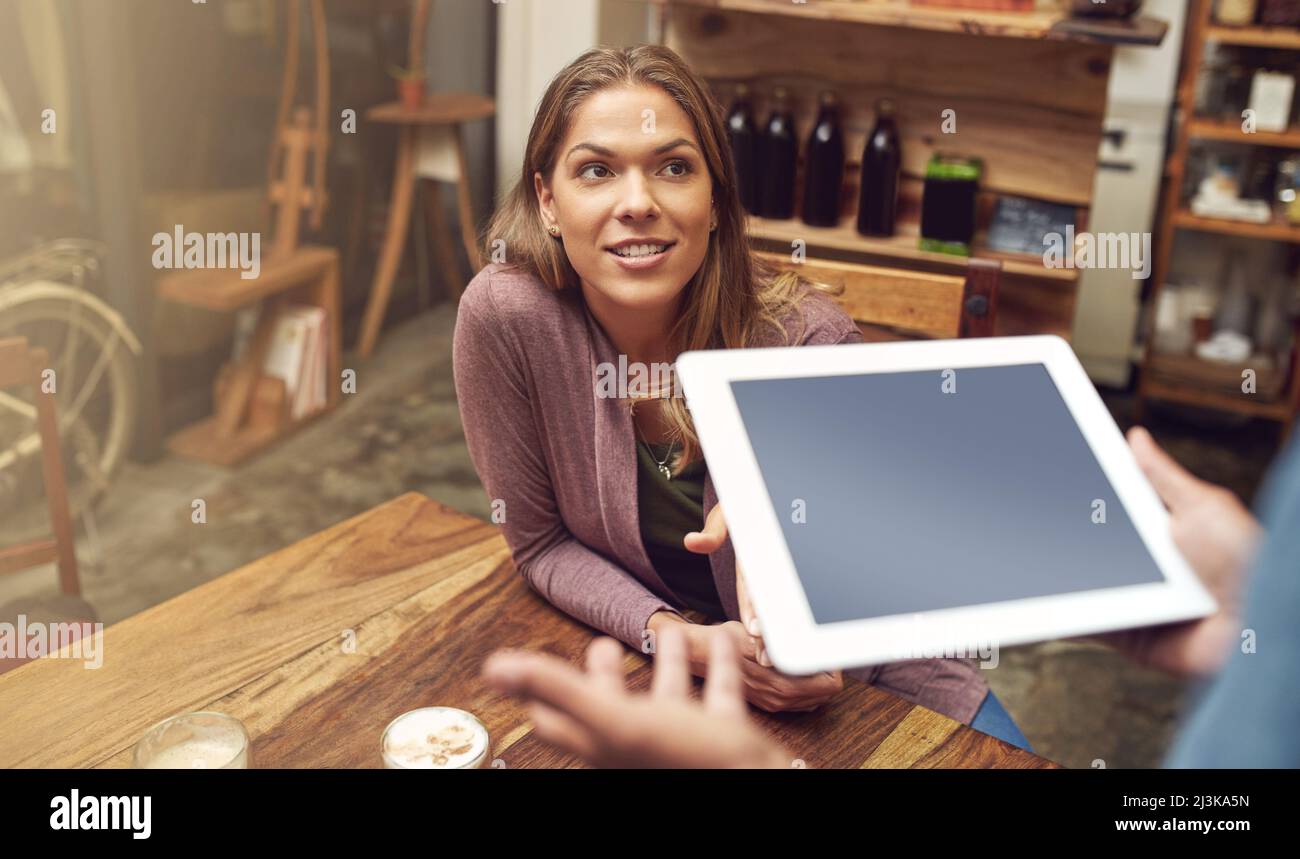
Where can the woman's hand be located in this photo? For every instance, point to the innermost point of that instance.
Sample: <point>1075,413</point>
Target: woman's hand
<point>708,541</point>
<point>764,686</point>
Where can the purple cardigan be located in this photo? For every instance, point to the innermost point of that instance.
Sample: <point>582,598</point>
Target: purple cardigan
<point>559,463</point>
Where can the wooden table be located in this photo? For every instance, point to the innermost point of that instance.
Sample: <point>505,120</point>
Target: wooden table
<point>430,145</point>
<point>425,594</point>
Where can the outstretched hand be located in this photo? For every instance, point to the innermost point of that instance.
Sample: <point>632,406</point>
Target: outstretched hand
<point>593,716</point>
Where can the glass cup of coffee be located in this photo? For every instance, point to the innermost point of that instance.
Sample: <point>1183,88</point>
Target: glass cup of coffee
<point>203,740</point>
<point>435,738</point>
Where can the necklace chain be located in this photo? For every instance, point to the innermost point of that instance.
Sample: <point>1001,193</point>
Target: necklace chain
<point>661,465</point>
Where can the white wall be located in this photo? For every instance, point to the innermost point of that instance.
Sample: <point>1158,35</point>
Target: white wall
<point>1140,94</point>
<point>537,38</point>
<point>457,48</point>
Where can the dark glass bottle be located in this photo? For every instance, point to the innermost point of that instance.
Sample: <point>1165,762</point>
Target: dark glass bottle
<point>777,166</point>
<point>824,166</point>
<point>744,139</point>
<point>882,159</point>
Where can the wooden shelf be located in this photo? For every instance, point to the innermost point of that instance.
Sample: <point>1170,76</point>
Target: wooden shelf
<point>1195,395</point>
<point>242,426</point>
<point>1202,128</point>
<point>204,440</point>
<point>1255,37</point>
<point>220,290</point>
<point>1188,369</point>
<point>1186,378</point>
<point>975,22</point>
<point>902,245</point>
<point>1276,231</point>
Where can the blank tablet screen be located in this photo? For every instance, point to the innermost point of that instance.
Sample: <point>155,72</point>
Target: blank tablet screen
<point>897,497</point>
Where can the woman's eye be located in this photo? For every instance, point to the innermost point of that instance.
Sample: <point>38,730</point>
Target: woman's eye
<point>589,171</point>
<point>682,167</point>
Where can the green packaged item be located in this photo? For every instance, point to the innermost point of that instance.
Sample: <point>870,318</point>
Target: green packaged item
<point>948,204</point>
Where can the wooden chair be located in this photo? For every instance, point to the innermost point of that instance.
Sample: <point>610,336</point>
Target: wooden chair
<point>21,366</point>
<point>885,301</point>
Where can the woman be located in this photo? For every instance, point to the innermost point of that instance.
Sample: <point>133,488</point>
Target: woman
<point>624,241</point>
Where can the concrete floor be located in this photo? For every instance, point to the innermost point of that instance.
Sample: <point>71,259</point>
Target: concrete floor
<point>1077,704</point>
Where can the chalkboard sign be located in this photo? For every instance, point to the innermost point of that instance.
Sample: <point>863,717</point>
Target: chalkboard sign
<point>1019,224</point>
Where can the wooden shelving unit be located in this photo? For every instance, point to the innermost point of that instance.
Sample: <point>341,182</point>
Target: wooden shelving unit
<point>903,245</point>
<point>974,22</point>
<point>1199,383</point>
<point>1229,131</point>
<point>1253,37</point>
<point>1273,231</point>
<point>1032,115</point>
<point>251,409</point>
<point>1198,395</point>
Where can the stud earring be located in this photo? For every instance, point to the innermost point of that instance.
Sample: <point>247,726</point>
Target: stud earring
<point>554,230</point>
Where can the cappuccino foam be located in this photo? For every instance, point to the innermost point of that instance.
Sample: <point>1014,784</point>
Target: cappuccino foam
<point>435,738</point>
<point>198,754</point>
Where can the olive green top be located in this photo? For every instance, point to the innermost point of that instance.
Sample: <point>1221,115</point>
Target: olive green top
<point>668,510</point>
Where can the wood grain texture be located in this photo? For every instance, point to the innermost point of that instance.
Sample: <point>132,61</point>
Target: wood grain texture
<point>896,298</point>
<point>439,108</point>
<point>426,593</point>
<point>917,14</point>
<point>1032,110</point>
<point>224,290</point>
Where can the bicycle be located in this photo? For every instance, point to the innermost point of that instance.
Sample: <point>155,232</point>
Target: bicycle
<point>46,296</point>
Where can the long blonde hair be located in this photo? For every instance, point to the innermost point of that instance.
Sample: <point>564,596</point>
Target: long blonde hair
<point>731,294</point>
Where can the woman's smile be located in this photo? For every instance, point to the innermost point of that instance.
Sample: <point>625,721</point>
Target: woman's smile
<point>640,254</point>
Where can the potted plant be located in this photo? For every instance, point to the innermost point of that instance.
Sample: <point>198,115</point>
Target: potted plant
<point>410,86</point>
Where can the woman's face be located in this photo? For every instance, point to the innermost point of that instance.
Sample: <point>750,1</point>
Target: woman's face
<point>630,174</point>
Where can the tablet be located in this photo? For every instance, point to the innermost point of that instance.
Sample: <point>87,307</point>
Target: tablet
<point>930,498</point>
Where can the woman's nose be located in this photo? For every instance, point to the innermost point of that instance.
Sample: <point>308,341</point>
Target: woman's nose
<point>637,201</point>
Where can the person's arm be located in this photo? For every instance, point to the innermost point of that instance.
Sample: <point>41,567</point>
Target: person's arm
<point>505,444</point>
<point>1248,715</point>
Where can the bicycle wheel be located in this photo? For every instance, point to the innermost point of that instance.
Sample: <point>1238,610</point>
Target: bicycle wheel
<point>95,398</point>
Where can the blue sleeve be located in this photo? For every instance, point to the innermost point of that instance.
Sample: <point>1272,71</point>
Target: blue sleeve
<point>1248,714</point>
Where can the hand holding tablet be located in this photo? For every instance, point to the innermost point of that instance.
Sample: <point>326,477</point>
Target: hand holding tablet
<point>708,541</point>
<point>1218,536</point>
<point>919,499</point>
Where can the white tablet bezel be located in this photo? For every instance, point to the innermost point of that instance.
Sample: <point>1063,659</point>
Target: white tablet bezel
<point>794,641</point>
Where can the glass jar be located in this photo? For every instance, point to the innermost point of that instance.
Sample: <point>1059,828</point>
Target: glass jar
<point>1238,13</point>
<point>1286,195</point>
<point>1237,80</point>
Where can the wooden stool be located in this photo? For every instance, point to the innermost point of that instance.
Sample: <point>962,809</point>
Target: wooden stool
<point>429,146</point>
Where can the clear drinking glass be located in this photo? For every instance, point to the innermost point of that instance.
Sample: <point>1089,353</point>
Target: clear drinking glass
<point>203,740</point>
